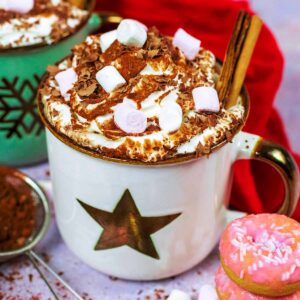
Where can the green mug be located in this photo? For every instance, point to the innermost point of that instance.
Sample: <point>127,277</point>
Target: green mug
<point>22,135</point>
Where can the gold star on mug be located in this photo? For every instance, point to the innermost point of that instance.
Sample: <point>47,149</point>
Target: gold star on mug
<point>126,226</point>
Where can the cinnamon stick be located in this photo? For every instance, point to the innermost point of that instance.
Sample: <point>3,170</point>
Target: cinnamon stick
<point>237,58</point>
<point>78,3</point>
<point>244,60</point>
<point>232,54</point>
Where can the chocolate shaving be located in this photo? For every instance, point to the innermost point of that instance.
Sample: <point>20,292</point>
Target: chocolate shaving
<point>153,53</point>
<point>228,135</point>
<point>52,69</point>
<point>88,90</point>
<point>200,150</point>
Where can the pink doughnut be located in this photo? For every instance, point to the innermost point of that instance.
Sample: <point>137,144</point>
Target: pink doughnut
<point>228,290</point>
<point>261,254</point>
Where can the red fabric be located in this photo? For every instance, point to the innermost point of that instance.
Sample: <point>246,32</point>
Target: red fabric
<point>257,187</point>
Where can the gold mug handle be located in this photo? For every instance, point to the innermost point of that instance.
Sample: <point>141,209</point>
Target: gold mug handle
<point>255,147</point>
<point>279,158</point>
<point>109,17</point>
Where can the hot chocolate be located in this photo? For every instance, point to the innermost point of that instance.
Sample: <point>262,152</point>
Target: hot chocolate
<point>139,96</point>
<point>25,23</point>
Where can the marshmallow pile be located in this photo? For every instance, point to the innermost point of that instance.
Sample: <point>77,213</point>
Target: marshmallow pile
<point>207,292</point>
<point>126,116</point>
<point>18,6</point>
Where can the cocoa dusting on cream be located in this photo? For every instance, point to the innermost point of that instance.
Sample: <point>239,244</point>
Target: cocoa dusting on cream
<point>155,74</point>
<point>46,23</point>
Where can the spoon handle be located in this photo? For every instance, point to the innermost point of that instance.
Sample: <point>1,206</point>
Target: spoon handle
<point>33,256</point>
<point>34,263</point>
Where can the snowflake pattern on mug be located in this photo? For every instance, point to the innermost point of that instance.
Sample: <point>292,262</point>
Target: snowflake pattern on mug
<point>18,108</point>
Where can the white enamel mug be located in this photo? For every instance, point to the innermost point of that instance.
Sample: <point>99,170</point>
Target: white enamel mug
<point>146,222</point>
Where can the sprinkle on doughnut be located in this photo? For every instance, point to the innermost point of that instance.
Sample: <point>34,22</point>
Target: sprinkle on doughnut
<point>261,253</point>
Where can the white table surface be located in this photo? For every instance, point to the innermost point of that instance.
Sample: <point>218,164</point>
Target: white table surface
<point>283,18</point>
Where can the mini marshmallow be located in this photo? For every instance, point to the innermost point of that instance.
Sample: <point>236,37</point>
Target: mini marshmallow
<point>66,80</point>
<point>131,33</point>
<point>19,6</point>
<point>179,295</point>
<point>170,117</point>
<point>206,99</point>
<point>110,78</point>
<point>140,23</point>
<point>55,2</point>
<point>106,39</point>
<point>130,119</point>
<point>189,45</point>
<point>208,292</point>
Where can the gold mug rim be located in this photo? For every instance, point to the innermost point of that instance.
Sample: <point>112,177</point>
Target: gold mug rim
<point>90,4</point>
<point>245,99</point>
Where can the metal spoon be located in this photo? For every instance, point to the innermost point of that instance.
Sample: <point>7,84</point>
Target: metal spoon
<point>42,219</point>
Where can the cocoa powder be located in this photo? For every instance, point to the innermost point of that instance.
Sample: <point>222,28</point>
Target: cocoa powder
<point>17,211</point>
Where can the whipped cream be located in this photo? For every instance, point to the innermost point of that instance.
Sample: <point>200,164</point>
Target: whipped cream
<point>155,79</point>
<point>45,24</point>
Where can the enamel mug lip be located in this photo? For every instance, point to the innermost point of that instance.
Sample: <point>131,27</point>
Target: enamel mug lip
<point>41,231</point>
<point>89,6</point>
<point>245,100</point>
